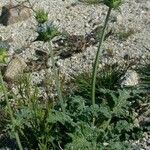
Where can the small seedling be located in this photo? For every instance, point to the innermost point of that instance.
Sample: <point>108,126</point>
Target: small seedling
<point>41,16</point>
<point>123,35</point>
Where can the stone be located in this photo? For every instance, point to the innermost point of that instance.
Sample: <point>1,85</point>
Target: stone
<point>12,14</point>
<point>14,68</point>
<point>131,78</point>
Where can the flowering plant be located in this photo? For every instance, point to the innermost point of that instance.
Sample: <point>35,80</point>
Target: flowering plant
<point>112,3</point>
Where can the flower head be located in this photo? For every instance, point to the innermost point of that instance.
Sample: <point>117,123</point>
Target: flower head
<point>112,3</point>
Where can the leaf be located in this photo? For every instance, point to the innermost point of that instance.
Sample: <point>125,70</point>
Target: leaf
<point>79,141</point>
<point>105,111</point>
<point>120,102</point>
<point>123,125</point>
<point>3,55</point>
<point>57,116</point>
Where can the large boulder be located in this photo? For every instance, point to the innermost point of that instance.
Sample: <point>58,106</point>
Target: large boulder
<point>12,14</point>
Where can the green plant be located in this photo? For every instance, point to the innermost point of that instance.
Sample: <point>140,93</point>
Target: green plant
<point>41,16</point>
<point>57,80</point>
<point>73,121</point>
<point>43,124</point>
<point>3,55</point>
<point>44,127</point>
<point>123,35</point>
<point>144,74</point>
<point>13,121</point>
<point>107,79</point>
<point>142,90</point>
<point>112,4</point>
<point>47,33</point>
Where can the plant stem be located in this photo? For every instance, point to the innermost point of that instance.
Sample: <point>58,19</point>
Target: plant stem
<point>98,55</point>
<point>57,80</point>
<point>10,112</point>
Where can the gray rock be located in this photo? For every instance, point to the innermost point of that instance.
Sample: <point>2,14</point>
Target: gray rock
<point>129,79</point>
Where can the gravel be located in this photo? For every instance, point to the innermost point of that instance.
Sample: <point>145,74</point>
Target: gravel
<point>80,19</point>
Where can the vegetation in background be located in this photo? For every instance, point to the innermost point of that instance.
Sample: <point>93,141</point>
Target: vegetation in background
<point>144,73</point>
<point>108,79</point>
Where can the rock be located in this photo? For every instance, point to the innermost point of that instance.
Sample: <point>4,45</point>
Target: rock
<point>144,121</point>
<point>4,44</point>
<point>14,68</point>
<point>105,144</point>
<point>13,14</point>
<point>129,79</point>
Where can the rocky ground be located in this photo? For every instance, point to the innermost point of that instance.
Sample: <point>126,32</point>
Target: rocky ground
<point>129,37</point>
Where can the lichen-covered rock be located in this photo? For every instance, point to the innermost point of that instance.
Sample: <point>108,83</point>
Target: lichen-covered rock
<point>13,14</point>
<point>14,68</point>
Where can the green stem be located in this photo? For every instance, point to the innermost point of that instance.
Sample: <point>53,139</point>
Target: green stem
<point>98,55</point>
<point>99,52</point>
<point>10,112</point>
<point>57,81</point>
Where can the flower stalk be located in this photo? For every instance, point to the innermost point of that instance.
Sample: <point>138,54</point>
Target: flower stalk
<point>98,56</point>
<point>56,77</point>
<point>111,4</point>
